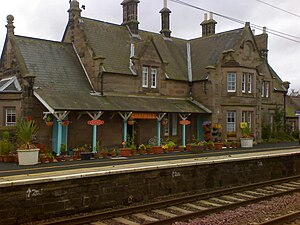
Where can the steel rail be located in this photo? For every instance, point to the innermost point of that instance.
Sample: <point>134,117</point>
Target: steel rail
<point>77,220</point>
<point>283,219</point>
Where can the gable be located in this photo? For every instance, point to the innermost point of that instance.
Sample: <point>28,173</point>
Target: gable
<point>10,85</point>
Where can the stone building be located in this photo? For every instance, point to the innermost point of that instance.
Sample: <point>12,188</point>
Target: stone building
<point>110,74</point>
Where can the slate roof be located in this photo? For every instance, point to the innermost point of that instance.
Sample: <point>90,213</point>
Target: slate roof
<point>62,84</point>
<point>207,50</point>
<point>113,42</point>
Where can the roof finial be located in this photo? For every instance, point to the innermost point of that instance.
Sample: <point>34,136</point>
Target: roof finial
<point>10,24</point>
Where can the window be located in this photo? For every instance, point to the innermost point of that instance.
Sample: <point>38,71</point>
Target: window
<point>247,80</point>
<point>231,121</point>
<point>249,83</point>
<point>244,83</point>
<point>247,118</point>
<point>231,82</point>
<point>174,124</point>
<point>153,77</point>
<point>145,77</point>
<point>265,89</point>
<point>10,116</point>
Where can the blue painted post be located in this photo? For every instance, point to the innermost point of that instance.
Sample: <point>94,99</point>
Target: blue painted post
<point>94,138</point>
<point>59,137</point>
<point>125,132</point>
<point>158,132</point>
<point>183,135</point>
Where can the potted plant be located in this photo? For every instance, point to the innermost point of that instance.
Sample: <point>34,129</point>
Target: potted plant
<point>142,149</point>
<point>171,145</point>
<point>86,152</point>
<point>26,131</point>
<point>113,152</point>
<point>246,139</point>
<point>6,148</point>
<point>64,153</point>
<point>49,121</point>
<point>104,153</point>
<point>133,149</point>
<point>165,148</point>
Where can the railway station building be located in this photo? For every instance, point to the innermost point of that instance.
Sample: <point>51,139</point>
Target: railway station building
<point>107,82</point>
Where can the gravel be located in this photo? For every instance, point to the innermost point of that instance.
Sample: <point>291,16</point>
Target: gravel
<point>251,214</point>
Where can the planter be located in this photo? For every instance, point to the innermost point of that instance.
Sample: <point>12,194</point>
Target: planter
<point>74,157</point>
<point>149,151</point>
<point>85,155</point>
<point>28,156</point>
<point>125,152</point>
<point>218,146</point>
<point>171,149</point>
<point>196,149</point>
<point>104,155</point>
<point>181,148</point>
<point>246,142</point>
<point>49,124</point>
<point>8,158</point>
<point>59,158</point>
<point>157,149</point>
<point>66,157</point>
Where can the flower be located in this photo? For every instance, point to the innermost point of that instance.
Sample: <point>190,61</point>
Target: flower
<point>142,147</point>
<point>245,130</point>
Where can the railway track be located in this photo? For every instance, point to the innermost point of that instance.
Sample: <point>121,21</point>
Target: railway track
<point>195,206</point>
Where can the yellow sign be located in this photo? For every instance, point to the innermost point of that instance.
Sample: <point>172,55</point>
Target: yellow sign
<point>144,116</point>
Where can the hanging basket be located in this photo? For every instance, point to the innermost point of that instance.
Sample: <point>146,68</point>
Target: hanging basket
<point>131,122</point>
<point>49,123</point>
<point>65,122</point>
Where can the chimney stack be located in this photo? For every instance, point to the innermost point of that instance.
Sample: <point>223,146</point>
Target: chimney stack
<point>165,20</point>
<point>130,15</point>
<point>208,25</point>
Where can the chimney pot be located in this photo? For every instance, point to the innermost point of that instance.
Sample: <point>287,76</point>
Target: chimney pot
<point>211,16</point>
<point>205,16</point>
<point>264,30</point>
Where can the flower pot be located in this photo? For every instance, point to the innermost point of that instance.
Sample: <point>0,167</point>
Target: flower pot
<point>171,149</point>
<point>85,155</point>
<point>157,149</point>
<point>218,146</point>
<point>149,151</point>
<point>104,155</point>
<point>59,158</point>
<point>246,142</point>
<point>66,157</point>
<point>125,152</point>
<point>49,123</point>
<point>28,156</point>
<point>8,158</point>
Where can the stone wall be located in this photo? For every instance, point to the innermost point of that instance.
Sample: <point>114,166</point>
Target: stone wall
<point>23,203</point>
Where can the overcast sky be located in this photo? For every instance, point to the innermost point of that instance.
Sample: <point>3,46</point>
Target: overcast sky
<point>47,20</point>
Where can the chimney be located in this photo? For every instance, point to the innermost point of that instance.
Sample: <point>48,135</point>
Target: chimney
<point>165,20</point>
<point>10,24</point>
<point>74,11</point>
<point>208,25</point>
<point>130,15</point>
<point>74,15</point>
<point>262,43</point>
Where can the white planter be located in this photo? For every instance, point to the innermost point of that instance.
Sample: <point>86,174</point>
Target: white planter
<point>28,156</point>
<point>246,142</point>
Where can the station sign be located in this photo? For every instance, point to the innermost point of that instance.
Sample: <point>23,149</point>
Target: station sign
<point>297,113</point>
<point>95,122</point>
<point>184,122</point>
<point>144,116</point>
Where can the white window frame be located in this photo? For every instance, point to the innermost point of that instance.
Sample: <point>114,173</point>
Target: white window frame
<point>145,77</point>
<point>249,83</point>
<point>267,89</point>
<point>174,124</point>
<point>244,83</point>
<point>231,82</point>
<point>231,121</point>
<point>10,116</point>
<point>153,77</point>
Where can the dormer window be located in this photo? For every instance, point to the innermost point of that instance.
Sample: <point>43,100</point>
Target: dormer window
<point>149,76</point>
<point>145,77</point>
<point>153,77</point>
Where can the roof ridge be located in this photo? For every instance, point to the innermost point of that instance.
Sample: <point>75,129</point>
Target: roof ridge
<point>217,34</point>
<point>44,40</point>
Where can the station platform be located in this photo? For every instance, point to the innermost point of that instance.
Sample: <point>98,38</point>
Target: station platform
<point>13,175</point>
